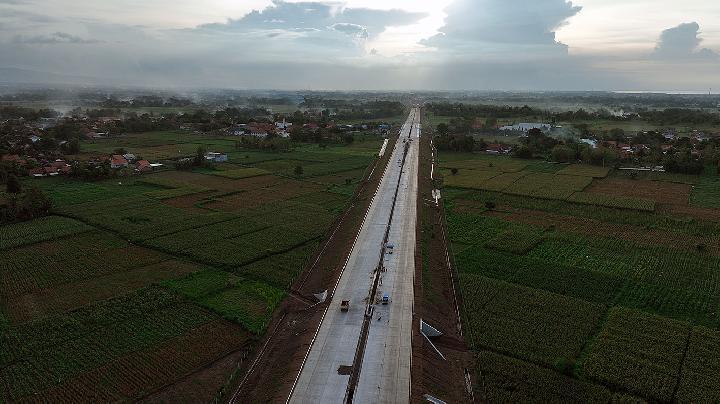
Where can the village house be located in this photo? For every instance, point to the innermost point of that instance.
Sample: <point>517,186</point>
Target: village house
<point>55,168</point>
<point>216,157</point>
<point>259,134</point>
<point>118,161</point>
<point>698,137</point>
<point>496,148</point>
<point>38,172</point>
<point>143,166</point>
<point>284,125</point>
<point>239,130</point>
<point>61,165</point>
<point>262,127</point>
<point>670,134</point>
<point>283,128</point>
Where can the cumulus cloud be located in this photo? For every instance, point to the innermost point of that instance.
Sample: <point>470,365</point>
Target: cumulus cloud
<point>682,43</point>
<point>318,16</point>
<point>277,43</point>
<point>292,32</point>
<point>355,30</point>
<point>503,27</point>
<point>53,39</point>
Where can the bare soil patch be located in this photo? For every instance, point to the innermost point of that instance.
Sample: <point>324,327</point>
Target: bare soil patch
<point>436,302</point>
<point>659,191</point>
<point>189,202</point>
<point>287,189</point>
<point>692,212</point>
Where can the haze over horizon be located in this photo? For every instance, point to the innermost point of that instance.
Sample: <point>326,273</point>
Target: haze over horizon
<point>365,44</point>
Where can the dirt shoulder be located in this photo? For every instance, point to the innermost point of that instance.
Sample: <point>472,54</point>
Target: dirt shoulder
<point>269,376</point>
<point>435,301</point>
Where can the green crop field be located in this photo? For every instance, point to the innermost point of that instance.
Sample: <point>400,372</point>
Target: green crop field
<point>134,282</point>
<point>538,180</point>
<point>577,296</point>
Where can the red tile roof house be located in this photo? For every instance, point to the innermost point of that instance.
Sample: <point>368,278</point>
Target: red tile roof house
<point>262,127</point>
<point>59,164</point>
<point>37,172</point>
<point>143,166</point>
<point>118,161</point>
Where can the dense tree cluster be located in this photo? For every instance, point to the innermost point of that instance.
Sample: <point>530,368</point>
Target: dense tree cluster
<point>536,144</point>
<point>29,114</point>
<point>676,116</point>
<point>471,111</point>
<point>91,171</point>
<point>457,143</point>
<point>355,109</point>
<point>271,143</point>
<point>661,117</point>
<point>25,204</point>
<point>147,101</point>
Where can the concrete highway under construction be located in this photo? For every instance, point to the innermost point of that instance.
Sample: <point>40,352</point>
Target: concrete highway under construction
<point>364,354</point>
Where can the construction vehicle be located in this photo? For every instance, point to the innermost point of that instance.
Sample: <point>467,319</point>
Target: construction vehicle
<point>345,305</point>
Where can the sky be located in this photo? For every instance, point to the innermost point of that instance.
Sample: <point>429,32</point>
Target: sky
<point>365,44</point>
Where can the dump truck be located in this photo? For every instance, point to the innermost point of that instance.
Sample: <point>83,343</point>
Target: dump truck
<point>345,305</point>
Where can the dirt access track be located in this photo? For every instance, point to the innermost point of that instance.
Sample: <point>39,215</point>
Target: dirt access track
<point>269,376</point>
<point>437,299</point>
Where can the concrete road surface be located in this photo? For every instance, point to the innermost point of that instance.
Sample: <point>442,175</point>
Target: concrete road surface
<point>384,367</point>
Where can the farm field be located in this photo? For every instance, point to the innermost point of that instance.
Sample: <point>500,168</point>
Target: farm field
<point>519,177</point>
<point>583,285</point>
<point>134,283</point>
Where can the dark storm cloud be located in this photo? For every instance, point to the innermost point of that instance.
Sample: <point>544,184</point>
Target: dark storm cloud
<point>503,27</point>
<point>682,42</point>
